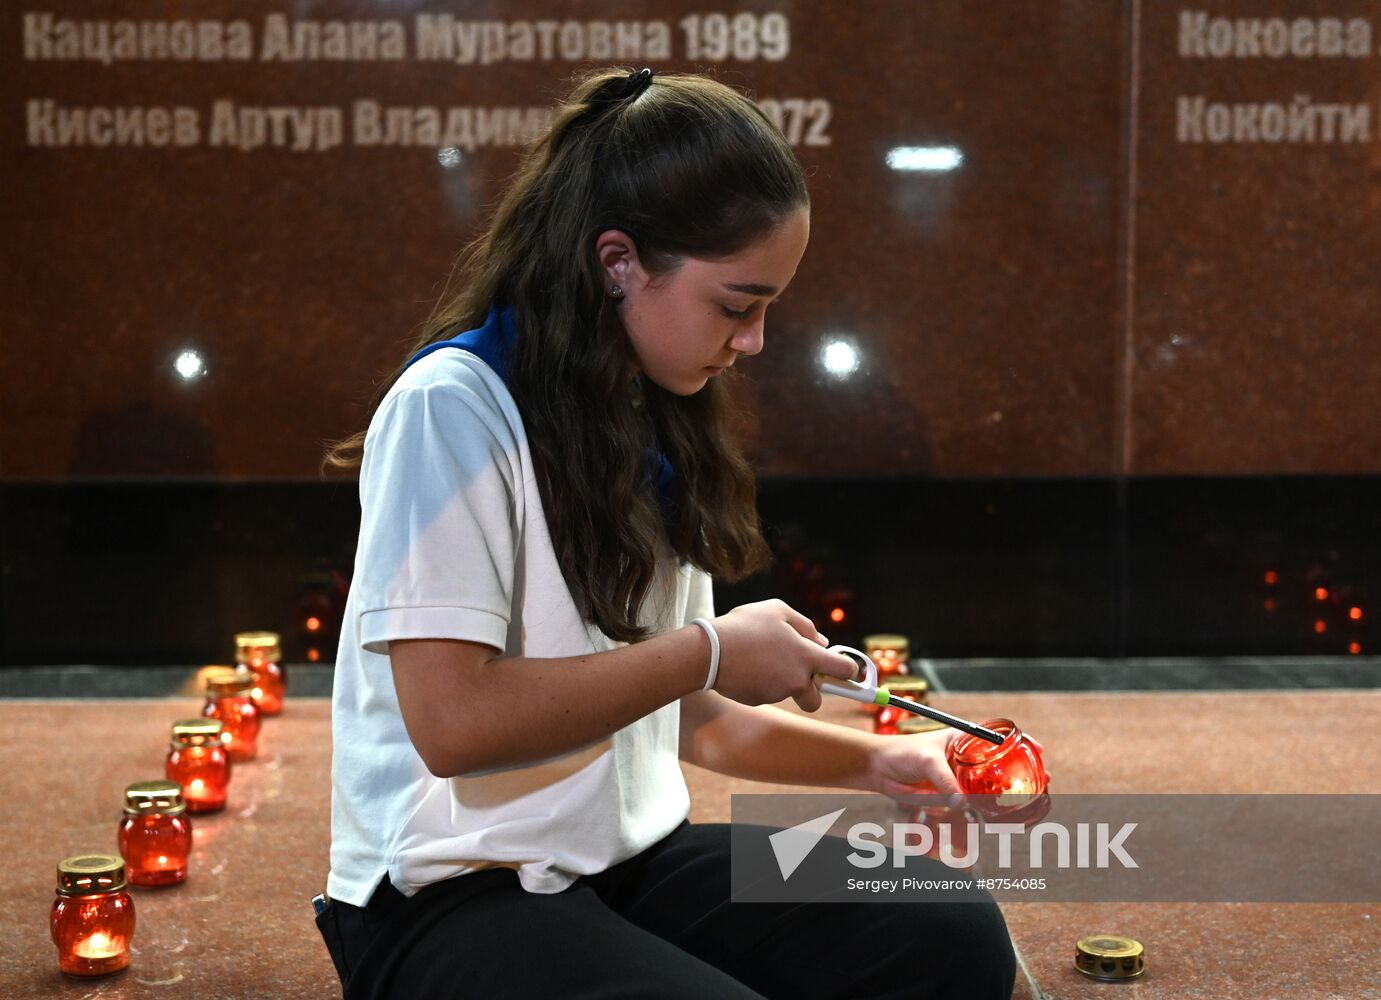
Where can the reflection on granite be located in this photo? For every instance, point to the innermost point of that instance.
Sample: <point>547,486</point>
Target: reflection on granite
<point>241,926</point>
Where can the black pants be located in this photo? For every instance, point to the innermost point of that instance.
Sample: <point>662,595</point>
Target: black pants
<point>661,925</point>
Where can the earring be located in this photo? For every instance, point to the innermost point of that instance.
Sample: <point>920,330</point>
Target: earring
<point>615,291</point>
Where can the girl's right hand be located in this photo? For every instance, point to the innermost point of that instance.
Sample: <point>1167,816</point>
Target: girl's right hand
<point>769,652</point>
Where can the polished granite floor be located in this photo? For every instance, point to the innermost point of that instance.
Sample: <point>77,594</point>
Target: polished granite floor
<point>241,925</point>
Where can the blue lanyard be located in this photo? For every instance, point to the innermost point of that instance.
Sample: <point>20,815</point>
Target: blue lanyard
<point>493,344</point>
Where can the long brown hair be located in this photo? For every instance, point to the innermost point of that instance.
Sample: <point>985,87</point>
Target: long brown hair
<point>687,168</point>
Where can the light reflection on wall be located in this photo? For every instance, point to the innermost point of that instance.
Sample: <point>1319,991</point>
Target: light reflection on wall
<point>189,365</point>
<point>930,158</point>
<point>839,358</point>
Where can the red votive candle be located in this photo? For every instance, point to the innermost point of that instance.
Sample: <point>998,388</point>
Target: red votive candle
<point>156,833</point>
<point>261,654</point>
<point>198,762</point>
<point>890,653</point>
<point>92,919</point>
<point>228,698</point>
<point>1005,781</point>
<point>949,827</point>
<point>887,721</point>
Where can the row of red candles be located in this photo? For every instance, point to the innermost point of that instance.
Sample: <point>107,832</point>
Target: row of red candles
<point>92,919</point>
<point>93,916</point>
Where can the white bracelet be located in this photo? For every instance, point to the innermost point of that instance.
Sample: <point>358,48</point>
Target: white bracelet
<point>714,652</point>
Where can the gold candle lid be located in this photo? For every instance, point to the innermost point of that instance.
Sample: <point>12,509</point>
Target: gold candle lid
<point>915,689</point>
<point>144,798</point>
<point>258,645</point>
<point>229,681</point>
<point>1109,957</point>
<point>919,724</point>
<point>197,732</point>
<point>90,873</point>
<point>900,644</point>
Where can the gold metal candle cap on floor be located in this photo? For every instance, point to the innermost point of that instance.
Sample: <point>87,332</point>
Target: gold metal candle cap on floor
<point>88,873</point>
<point>143,798</point>
<point>1109,957</point>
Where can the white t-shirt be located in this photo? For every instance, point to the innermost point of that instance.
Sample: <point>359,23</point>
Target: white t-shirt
<point>454,545</point>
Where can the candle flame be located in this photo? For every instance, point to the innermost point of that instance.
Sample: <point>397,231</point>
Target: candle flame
<point>162,859</point>
<point>1017,793</point>
<point>196,786</point>
<point>98,945</point>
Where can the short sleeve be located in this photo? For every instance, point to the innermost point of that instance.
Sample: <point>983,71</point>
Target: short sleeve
<point>700,597</point>
<point>439,522</point>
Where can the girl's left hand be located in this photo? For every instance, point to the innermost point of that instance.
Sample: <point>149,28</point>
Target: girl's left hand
<point>899,763</point>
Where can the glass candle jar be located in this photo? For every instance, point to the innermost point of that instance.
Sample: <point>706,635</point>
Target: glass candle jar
<point>954,837</point>
<point>888,719</point>
<point>1005,781</point>
<point>261,654</point>
<point>156,833</point>
<point>228,698</point>
<point>92,920</point>
<point>198,762</point>
<point>889,652</point>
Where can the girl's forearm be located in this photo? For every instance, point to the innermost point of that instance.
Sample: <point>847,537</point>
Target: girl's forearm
<point>473,717</point>
<point>765,743</point>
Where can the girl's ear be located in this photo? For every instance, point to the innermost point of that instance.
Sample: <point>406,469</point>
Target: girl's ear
<point>618,258</point>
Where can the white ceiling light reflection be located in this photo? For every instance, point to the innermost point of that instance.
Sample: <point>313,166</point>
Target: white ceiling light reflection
<point>189,366</point>
<point>930,158</point>
<point>839,358</point>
